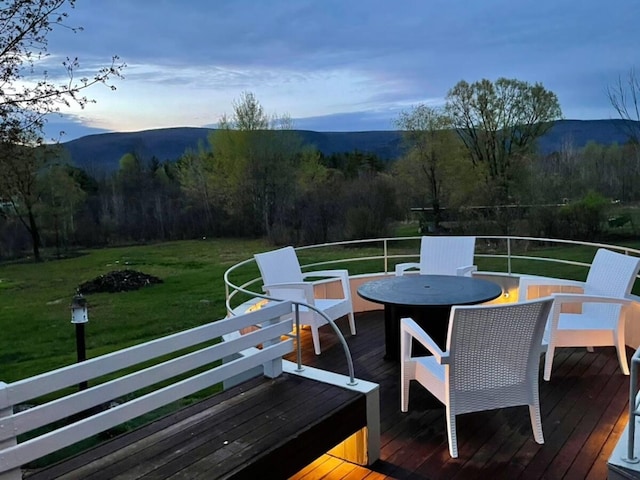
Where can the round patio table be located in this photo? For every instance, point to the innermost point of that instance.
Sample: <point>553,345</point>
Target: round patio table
<point>425,298</point>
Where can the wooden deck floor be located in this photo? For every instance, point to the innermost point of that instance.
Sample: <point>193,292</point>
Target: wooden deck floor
<point>584,409</point>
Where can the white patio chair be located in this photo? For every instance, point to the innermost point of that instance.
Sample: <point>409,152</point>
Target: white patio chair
<point>491,361</point>
<point>441,255</point>
<point>601,321</point>
<point>283,279</point>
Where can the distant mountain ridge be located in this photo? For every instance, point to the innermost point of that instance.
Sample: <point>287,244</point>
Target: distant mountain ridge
<point>102,152</point>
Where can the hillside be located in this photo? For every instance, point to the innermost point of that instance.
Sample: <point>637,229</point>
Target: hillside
<point>101,153</point>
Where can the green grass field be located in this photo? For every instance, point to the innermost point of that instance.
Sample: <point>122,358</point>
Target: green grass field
<point>37,334</point>
<point>35,316</point>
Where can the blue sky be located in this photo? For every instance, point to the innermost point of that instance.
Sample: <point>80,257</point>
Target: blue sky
<point>335,65</point>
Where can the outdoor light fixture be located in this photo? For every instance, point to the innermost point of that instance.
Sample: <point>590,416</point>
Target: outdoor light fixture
<point>80,316</point>
<point>79,309</point>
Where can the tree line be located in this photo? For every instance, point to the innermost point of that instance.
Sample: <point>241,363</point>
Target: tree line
<point>255,177</point>
<point>475,155</point>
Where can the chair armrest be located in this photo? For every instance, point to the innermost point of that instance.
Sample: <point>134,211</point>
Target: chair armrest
<point>305,289</point>
<point>526,282</point>
<point>410,327</point>
<point>342,274</point>
<point>561,298</point>
<point>401,267</point>
<point>466,271</point>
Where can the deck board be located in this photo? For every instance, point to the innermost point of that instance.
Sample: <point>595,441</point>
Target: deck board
<point>275,425</point>
<point>584,410</point>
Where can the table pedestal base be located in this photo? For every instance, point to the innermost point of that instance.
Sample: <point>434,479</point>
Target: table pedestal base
<point>433,320</point>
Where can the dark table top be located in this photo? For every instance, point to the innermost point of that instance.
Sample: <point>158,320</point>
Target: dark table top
<point>429,290</point>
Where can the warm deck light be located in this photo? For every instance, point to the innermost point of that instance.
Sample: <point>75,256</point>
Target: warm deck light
<point>257,305</point>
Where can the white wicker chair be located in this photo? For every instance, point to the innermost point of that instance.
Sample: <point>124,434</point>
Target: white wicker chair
<point>601,321</point>
<point>283,279</point>
<point>441,255</point>
<point>491,361</point>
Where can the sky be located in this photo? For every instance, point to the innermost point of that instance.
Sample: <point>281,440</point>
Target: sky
<point>335,65</point>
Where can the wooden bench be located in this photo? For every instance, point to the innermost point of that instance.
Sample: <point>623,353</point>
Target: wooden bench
<point>277,422</point>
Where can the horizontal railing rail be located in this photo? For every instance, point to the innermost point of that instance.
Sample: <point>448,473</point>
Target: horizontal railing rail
<point>232,290</point>
<point>389,252</point>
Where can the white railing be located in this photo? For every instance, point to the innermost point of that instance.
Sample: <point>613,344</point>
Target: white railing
<point>232,290</point>
<point>159,372</point>
<point>391,250</point>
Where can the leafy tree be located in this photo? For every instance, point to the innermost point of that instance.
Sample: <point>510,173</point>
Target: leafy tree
<point>430,157</point>
<point>25,25</point>
<point>143,200</point>
<point>60,196</point>
<point>557,177</point>
<point>19,186</point>
<point>254,165</point>
<point>195,174</point>
<point>24,103</point>
<point>371,205</point>
<point>499,123</point>
<point>318,213</point>
<point>353,164</point>
<point>248,114</point>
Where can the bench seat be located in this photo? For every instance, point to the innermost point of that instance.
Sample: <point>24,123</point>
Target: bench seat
<point>262,428</point>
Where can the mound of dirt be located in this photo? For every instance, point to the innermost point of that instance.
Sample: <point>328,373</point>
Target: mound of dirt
<point>118,281</point>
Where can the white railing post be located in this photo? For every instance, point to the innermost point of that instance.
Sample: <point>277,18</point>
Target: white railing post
<point>273,368</point>
<point>386,257</point>
<point>298,338</point>
<point>509,255</point>
<point>634,411</point>
<point>7,436</point>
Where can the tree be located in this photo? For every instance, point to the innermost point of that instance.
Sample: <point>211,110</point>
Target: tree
<point>430,144</point>
<point>248,114</point>
<point>195,174</point>
<point>499,124</point>
<point>370,206</point>
<point>60,197</point>
<point>21,184</point>
<point>624,97</point>
<point>24,103</point>
<point>19,189</point>
<point>254,165</point>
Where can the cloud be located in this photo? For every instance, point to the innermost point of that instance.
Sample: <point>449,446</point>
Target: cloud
<point>346,61</point>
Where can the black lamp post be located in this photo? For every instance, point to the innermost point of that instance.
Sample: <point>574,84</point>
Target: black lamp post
<point>80,316</point>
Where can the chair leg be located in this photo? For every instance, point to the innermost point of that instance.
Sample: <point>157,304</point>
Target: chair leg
<point>451,433</point>
<point>622,351</point>
<point>404,392</point>
<point>352,323</point>
<point>536,422</point>
<point>548,361</point>
<point>316,339</point>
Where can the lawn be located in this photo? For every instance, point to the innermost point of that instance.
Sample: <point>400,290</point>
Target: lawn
<point>35,314</point>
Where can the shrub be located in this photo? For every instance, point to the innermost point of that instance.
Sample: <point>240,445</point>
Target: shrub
<point>581,220</point>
